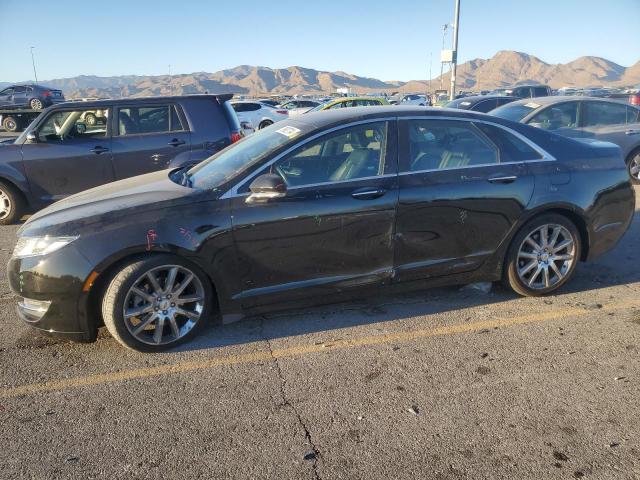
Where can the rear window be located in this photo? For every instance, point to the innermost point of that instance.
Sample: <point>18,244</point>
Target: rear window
<point>512,149</point>
<point>514,112</point>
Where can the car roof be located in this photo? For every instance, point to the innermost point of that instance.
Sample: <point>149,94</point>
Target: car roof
<point>325,118</point>
<point>140,100</point>
<point>554,99</point>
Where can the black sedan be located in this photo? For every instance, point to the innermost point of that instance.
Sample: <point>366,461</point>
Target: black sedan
<point>333,205</point>
<point>481,103</point>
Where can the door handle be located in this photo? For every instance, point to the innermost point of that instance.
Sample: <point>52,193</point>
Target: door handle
<point>503,179</point>
<point>632,132</point>
<point>175,142</point>
<point>369,193</point>
<point>98,150</point>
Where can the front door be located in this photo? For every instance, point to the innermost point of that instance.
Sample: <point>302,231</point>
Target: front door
<point>611,122</point>
<point>463,186</point>
<point>6,97</point>
<point>333,229</point>
<point>149,138</point>
<point>68,157</point>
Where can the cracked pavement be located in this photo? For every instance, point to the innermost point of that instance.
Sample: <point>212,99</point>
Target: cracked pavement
<point>440,384</point>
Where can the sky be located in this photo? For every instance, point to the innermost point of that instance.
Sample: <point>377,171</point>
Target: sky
<point>398,40</point>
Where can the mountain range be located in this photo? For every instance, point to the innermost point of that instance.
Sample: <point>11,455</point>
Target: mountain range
<point>503,69</point>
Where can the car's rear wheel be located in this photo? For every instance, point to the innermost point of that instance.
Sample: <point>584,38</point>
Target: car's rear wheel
<point>543,255</point>
<point>633,166</point>
<point>156,303</point>
<point>90,119</point>
<point>35,104</point>
<point>11,204</point>
<point>264,124</point>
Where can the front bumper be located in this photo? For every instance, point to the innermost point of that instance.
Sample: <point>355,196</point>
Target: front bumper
<point>51,290</point>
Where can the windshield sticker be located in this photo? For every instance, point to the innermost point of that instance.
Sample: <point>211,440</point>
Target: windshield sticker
<point>289,131</point>
<point>532,105</point>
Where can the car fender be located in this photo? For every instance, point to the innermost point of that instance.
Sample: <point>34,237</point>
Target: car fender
<point>12,172</point>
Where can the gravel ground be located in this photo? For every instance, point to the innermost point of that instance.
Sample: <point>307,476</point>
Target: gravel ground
<point>442,384</point>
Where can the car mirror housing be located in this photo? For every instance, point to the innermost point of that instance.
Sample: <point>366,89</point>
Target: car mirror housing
<point>266,187</point>
<point>32,137</point>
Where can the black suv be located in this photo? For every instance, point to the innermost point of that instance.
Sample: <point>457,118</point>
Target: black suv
<point>35,97</point>
<point>61,153</point>
<point>528,91</point>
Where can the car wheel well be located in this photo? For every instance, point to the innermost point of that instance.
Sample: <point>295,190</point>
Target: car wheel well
<point>632,154</point>
<point>265,123</point>
<point>12,184</point>
<point>574,218</point>
<point>99,287</point>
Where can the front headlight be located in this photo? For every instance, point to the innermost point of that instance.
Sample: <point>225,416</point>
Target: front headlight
<point>33,246</point>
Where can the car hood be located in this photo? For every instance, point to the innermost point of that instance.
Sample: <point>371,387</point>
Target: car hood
<point>111,201</point>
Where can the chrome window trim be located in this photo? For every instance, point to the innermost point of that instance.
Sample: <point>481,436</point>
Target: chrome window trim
<point>233,191</point>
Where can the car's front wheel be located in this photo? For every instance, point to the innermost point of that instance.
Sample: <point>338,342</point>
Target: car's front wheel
<point>264,124</point>
<point>543,255</point>
<point>36,104</point>
<point>156,303</point>
<point>12,204</point>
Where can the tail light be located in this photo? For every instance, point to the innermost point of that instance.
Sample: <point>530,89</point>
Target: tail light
<point>634,99</point>
<point>46,93</point>
<point>283,112</point>
<point>236,137</point>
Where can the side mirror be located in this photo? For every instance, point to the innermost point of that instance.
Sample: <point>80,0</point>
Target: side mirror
<point>266,187</point>
<point>32,137</point>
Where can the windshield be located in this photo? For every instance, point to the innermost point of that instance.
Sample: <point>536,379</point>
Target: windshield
<point>514,112</point>
<point>226,164</point>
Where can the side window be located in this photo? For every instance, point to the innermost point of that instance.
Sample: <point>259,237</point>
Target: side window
<point>348,154</point>
<point>512,149</point>
<point>633,115</point>
<point>540,91</point>
<point>175,122</point>
<point>19,89</point>
<point>485,106</point>
<point>141,120</point>
<point>605,113</point>
<point>252,107</point>
<point>447,144</point>
<point>70,126</point>
<point>337,105</point>
<point>239,107</point>
<point>7,91</point>
<point>562,115</point>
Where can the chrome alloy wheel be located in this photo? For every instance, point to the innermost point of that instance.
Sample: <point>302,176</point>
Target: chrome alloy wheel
<point>546,256</point>
<point>5,205</point>
<point>634,167</point>
<point>36,104</point>
<point>163,305</point>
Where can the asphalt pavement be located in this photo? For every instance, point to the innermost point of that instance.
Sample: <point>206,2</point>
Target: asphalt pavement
<point>448,383</point>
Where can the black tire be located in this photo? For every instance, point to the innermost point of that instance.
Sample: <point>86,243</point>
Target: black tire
<point>90,119</point>
<point>125,278</point>
<point>633,162</point>
<point>264,124</point>
<point>10,124</point>
<point>36,104</point>
<point>512,279</point>
<point>12,204</point>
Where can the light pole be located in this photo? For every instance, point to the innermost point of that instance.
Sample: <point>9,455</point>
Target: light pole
<point>454,62</point>
<point>33,62</point>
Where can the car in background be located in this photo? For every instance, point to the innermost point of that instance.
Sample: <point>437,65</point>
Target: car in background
<point>298,107</point>
<point>269,101</point>
<point>325,207</point>
<point>413,99</point>
<point>527,91</point>
<point>35,97</point>
<point>59,154</point>
<point>346,102</point>
<point>480,103</point>
<point>257,114</point>
<point>583,118</point>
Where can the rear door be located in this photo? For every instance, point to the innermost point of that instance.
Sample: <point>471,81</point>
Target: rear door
<point>561,118</point>
<point>68,157</point>
<point>612,122</point>
<point>149,138</point>
<point>463,186</point>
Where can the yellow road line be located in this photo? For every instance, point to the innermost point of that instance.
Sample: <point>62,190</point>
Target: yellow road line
<point>190,366</point>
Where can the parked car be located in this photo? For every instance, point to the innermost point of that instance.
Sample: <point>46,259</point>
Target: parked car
<point>527,91</point>
<point>321,208</point>
<point>59,154</point>
<point>480,103</point>
<point>35,97</point>
<point>584,118</point>
<point>344,102</point>
<point>298,107</point>
<point>258,115</point>
<point>414,99</point>
<point>269,101</point>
